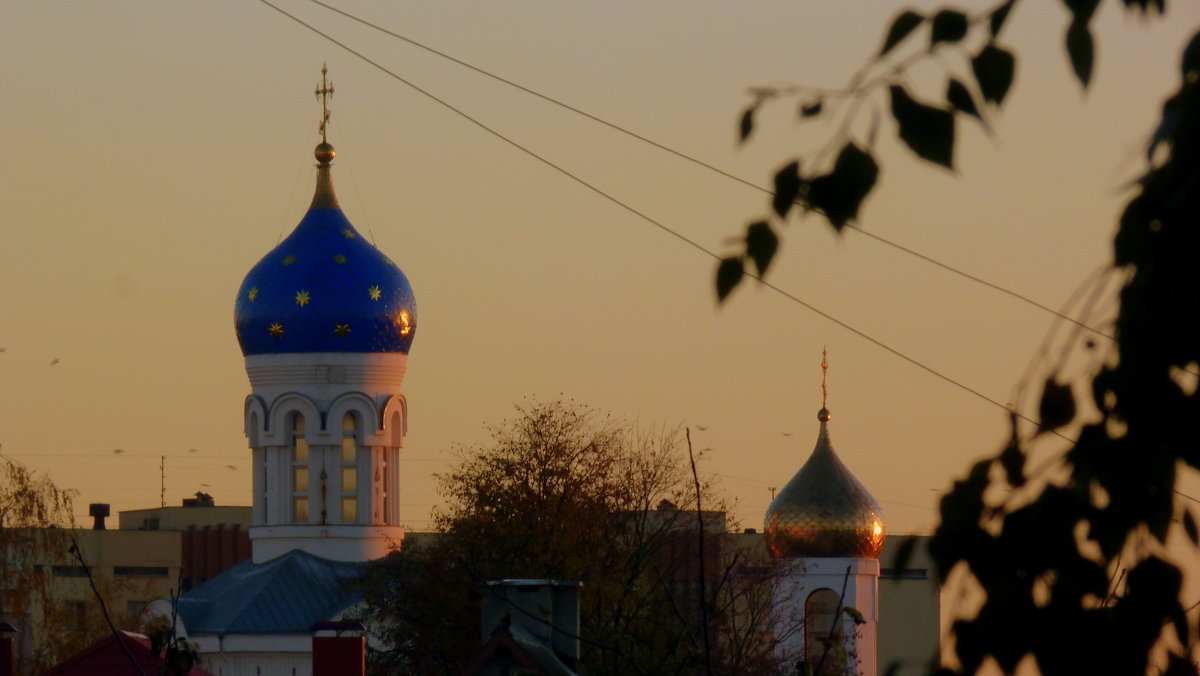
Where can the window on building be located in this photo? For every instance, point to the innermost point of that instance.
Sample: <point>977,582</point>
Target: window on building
<point>69,571</point>
<point>140,571</point>
<point>349,469</point>
<point>820,615</point>
<point>299,471</point>
<point>906,574</point>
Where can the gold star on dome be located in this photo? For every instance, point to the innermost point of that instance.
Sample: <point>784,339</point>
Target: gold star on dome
<point>253,293</point>
<point>347,233</point>
<point>374,292</point>
<point>302,298</point>
<point>339,259</point>
<point>289,260</point>
<point>341,329</point>
<point>276,330</point>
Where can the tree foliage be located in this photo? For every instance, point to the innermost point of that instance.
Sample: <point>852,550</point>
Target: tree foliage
<point>1071,559</point>
<point>55,616</point>
<point>34,517</point>
<point>565,492</point>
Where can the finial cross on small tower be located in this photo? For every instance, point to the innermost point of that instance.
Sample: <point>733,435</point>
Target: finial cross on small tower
<point>324,92</point>
<point>824,369</point>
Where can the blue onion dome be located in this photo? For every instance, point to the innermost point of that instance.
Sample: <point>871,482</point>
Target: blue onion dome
<point>824,511</point>
<point>325,288</point>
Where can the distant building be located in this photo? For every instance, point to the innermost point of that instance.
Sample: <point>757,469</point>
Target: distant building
<point>213,538</point>
<point>528,627</point>
<point>47,594</point>
<point>195,512</point>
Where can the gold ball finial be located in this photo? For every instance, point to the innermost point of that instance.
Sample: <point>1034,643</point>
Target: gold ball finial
<point>324,152</point>
<point>824,415</point>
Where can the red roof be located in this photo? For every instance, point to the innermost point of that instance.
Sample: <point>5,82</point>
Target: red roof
<point>106,658</point>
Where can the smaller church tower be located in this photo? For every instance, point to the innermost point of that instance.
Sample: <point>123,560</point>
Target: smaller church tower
<point>325,321</point>
<point>826,532</point>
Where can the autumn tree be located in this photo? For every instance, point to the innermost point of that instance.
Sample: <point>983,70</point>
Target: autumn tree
<point>34,519</point>
<point>1070,558</point>
<point>44,592</point>
<point>566,492</point>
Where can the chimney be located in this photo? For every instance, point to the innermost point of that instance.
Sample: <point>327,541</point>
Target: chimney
<point>339,649</point>
<point>99,512</point>
<point>8,649</point>
<point>546,610</point>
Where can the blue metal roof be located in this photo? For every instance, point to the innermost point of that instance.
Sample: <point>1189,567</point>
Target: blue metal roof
<point>285,595</point>
<point>325,289</point>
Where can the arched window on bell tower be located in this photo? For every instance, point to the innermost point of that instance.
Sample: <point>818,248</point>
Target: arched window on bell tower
<point>820,615</point>
<point>349,469</point>
<point>300,480</point>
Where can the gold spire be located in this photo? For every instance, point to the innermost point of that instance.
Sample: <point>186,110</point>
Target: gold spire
<point>323,92</point>
<point>324,198</point>
<point>824,415</point>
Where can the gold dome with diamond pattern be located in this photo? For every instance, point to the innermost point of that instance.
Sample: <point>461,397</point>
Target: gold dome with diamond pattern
<point>824,511</point>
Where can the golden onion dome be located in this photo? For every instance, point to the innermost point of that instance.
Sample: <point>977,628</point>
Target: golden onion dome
<point>824,511</point>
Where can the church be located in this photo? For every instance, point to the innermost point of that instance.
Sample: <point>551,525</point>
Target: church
<point>325,322</point>
<point>825,531</point>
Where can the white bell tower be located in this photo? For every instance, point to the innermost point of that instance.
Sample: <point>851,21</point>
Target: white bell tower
<point>325,321</point>
<point>826,533</point>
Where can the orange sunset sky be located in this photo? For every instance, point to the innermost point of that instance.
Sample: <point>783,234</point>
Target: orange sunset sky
<point>156,150</point>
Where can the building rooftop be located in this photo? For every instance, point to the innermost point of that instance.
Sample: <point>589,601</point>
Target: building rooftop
<point>285,595</point>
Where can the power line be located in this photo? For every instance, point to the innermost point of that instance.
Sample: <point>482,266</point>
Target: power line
<point>695,245</point>
<point>567,173</point>
<point>190,456</point>
<point>701,163</point>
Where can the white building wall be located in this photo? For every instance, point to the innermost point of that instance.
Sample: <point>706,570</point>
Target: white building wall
<point>255,655</point>
<point>799,578</point>
<point>257,664</point>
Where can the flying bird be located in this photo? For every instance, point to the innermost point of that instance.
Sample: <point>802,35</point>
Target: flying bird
<point>54,361</point>
<point>118,451</point>
<point>786,434</point>
<point>701,427</point>
<point>230,467</point>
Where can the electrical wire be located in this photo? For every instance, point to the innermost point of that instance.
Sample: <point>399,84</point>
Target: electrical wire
<point>701,163</point>
<point>104,607</point>
<point>567,173</point>
<point>695,245</point>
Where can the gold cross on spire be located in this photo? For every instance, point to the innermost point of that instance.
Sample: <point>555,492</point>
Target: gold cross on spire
<point>824,369</point>
<point>324,92</point>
